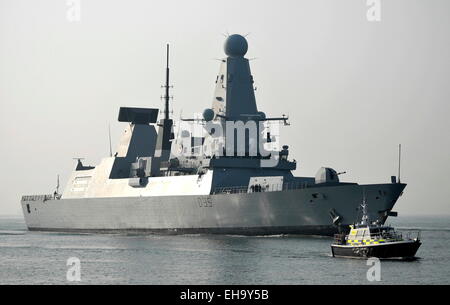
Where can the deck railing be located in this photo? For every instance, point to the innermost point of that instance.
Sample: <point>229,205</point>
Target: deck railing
<point>340,239</point>
<point>387,236</point>
<point>273,188</point>
<point>41,197</point>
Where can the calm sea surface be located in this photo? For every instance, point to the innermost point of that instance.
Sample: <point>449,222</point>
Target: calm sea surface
<point>40,258</point>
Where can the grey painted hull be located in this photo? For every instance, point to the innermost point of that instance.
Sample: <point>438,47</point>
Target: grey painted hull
<point>282,212</point>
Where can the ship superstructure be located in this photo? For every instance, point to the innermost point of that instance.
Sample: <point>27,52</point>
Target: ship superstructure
<point>231,178</point>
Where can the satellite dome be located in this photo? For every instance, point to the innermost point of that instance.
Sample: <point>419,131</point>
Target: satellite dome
<point>236,45</point>
<point>208,114</point>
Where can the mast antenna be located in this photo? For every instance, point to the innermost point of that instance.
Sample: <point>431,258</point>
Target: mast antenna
<point>399,160</point>
<point>167,86</point>
<point>57,184</point>
<point>365,216</point>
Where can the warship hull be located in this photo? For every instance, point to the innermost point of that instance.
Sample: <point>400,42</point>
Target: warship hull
<point>266,213</point>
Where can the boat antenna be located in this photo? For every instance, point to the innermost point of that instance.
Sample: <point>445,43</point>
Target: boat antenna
<point>57,184</point>
<point>399,160</point>
<point>365,216</point>
<point>109,134</point>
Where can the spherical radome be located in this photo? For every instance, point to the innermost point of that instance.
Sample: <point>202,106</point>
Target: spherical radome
<point>208,114</point>
<point>236,45</point>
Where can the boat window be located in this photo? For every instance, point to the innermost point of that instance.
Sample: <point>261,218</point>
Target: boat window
<point>28,209</point>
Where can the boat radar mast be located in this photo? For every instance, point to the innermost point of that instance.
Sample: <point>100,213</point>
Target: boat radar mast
<point>365,218</point>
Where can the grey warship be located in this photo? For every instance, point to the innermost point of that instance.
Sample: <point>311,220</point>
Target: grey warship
<point>227,182</point>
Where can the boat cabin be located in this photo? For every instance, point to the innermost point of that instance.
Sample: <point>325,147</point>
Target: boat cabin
<point>371,235</point>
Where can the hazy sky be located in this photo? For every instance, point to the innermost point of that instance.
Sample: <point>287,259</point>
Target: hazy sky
<point>353,89</point>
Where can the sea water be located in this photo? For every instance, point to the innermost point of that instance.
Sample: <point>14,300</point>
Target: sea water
<point>45,258</point>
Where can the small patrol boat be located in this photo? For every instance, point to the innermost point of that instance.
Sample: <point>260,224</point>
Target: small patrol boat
<point>368,239</point>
